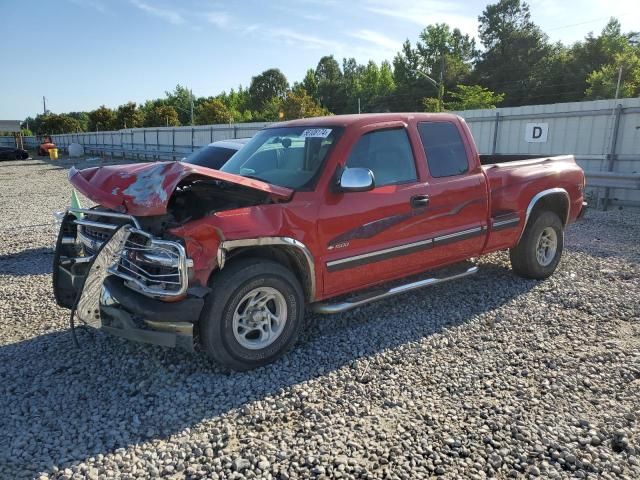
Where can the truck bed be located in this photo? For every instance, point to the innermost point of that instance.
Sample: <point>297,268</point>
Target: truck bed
<point>512,178</point>
<point>497,158</point>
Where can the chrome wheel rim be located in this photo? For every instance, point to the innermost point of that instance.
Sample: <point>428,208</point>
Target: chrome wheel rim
<point>547,246</point>
<point>259,318</point>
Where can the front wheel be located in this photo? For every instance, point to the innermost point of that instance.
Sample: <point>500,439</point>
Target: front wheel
<point>538,253</point>
<point>253,315</point>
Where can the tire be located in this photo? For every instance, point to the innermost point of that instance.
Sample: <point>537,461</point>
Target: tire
<point>229,329</point>
<point>530,258</point>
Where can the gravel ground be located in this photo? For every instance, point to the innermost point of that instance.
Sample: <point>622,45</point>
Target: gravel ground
<point>490,376</point>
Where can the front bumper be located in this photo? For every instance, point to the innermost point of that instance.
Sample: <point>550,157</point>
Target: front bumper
<point>127,314</point>
<point>106,303</point>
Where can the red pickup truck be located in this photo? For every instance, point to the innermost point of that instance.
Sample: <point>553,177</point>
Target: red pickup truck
<point>323,213</point>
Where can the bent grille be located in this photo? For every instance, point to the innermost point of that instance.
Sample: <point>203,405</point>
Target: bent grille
<point>155,267</point>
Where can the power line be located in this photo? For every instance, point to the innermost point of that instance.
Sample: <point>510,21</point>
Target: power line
<point>581,23</point>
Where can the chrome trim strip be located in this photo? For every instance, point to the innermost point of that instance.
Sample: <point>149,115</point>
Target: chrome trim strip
<point>228,245</point>
<point>458,234</point>
<point>68,241</point>
<point>407,246</point>
<point>101,213</point>
<point>348,305</point>
<point>506,222</point>
<point>379,252</point>
<point>90,223</point>
<point>540,195</point>
<point>76,259</point>
<point>89,242</point>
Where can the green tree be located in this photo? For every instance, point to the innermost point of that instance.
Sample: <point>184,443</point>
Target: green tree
<point>82,118</point>
<point>129,116</point>
<point>597,60</point>
<point>514,50</point>
<point>604,82</point>
<point>238,102</point>
<point>431,104</point>
<point>213,112</point>
<point>446,53</point>
<point>271,111</point>
<point>102,119</point>
<point>329,78</point>
<point>180,98</point>
<point>161,116</point>
<point>33,124</point>
<point>54,123</point>
<point>471,97</point>
<point>375,84</point>
<point>411,87</point>
<point>265,87</point>
<point>310,84</point>
<point>299,104</point>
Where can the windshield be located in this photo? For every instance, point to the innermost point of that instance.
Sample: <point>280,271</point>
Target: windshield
<point>210,156</point>
<point>288,156</point>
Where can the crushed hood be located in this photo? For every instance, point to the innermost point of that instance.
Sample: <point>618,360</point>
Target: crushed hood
<point>144,189</point>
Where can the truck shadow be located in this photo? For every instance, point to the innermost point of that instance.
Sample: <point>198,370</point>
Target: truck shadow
<point>62,405</point>
<point>32,261</point>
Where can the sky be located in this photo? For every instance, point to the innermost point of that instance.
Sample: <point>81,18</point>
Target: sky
<point>81,54</point>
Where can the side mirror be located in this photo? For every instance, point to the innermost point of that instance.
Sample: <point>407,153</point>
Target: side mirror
<point>356,180</point>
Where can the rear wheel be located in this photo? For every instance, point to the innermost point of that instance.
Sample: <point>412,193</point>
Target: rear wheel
<point>539,251</point>
<point>253,315</point>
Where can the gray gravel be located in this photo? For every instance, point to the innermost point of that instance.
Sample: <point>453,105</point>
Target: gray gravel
<point>491,376</point>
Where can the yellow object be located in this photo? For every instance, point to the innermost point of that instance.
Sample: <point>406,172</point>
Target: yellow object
<point>53,154</point>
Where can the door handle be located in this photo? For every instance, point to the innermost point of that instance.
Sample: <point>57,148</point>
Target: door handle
<point>418,201</point>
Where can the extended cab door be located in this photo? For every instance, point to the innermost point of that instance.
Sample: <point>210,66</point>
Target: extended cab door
<point>373,236</point>
<point>458,197</point>
<point>428,209</point>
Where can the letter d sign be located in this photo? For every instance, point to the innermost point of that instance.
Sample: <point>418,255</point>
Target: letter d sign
<point>536,132</point>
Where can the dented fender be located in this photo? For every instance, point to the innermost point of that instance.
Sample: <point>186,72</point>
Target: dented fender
<point>204,237</point>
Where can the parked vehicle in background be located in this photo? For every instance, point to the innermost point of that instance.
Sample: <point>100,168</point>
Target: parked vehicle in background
<point>13,153</point>
<point>45,146</point>
<point>216,154</point>
<point>323,213</point>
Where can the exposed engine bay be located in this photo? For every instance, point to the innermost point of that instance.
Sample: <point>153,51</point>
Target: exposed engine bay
<point>198,197</point>
<point>195,198</point>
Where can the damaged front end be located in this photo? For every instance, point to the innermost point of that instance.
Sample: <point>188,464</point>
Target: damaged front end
<point>145,285</point>
<point>125,281</point>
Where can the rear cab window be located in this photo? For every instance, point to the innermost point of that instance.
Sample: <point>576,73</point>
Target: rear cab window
<point>444,149</point>
<point>387,153</point>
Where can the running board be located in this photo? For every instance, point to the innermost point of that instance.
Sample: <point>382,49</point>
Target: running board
<point>380,294</point>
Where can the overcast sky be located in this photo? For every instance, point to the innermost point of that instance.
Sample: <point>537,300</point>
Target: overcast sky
<point>81,54</point>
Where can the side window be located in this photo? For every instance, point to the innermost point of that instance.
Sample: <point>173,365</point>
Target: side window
<point>444,149</point>
<point>387,153</point>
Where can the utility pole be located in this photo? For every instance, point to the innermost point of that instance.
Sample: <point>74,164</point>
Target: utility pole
<point>191,94</point>
<point>44,105</point>
<point>619,79</point>
<point>439,85</point>
<point>358,105</point>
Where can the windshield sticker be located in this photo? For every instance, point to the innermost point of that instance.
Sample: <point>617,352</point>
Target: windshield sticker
<point>316,133</point>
